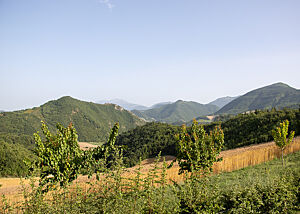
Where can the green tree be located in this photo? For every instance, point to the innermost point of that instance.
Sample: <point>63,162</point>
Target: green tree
<point>60,159</point>
<point>196,150</point>
<point>59,156</point>
<point>280,136</point>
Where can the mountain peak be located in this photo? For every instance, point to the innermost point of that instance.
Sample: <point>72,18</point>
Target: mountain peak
<point>278,95</point>
<point>280,84</point>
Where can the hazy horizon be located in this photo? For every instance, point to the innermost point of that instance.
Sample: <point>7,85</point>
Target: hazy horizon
<point>144,52</point>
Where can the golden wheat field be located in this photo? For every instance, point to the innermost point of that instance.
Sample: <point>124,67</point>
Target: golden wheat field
<point>232,160</point>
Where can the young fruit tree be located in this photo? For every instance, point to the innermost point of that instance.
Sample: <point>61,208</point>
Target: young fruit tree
<point>280,136</point>
<point>59,156</point>
<point>60,159</point>
<point>196,150</point>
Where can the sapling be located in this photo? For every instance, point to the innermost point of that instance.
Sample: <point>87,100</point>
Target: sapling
<point>280,136</point>
<point>196,150</point>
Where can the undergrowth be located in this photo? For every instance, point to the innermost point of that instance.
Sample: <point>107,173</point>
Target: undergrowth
<point>264,188</point>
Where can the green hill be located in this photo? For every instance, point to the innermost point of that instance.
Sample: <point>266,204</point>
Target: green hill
<point>278,95</point>
<point>180,111</point>
<point>92,121</point>
<point>239,131</point>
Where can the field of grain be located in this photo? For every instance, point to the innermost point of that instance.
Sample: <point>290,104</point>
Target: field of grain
<point>86,146</point>
<point>232,160</point>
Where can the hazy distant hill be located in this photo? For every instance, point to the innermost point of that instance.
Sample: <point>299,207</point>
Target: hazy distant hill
<point>157,105</point>
<point>124,104</point>
<point>277,95</point>
<point>92,121</point>
<point>220,102</point>
<point>178,111</point>
<point>132,106</point>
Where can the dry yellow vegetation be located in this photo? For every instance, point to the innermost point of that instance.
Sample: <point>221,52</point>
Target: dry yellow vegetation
<point>232,160</point>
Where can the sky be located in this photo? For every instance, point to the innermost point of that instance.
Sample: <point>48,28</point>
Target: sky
<point>145,51</point>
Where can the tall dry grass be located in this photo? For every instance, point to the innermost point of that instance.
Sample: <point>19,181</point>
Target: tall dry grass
<point>252,155</point>
<point>232,160</point>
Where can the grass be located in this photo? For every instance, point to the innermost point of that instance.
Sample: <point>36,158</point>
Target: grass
<point>242,189</point>
<point>259,173</point>
<point>143,190</point>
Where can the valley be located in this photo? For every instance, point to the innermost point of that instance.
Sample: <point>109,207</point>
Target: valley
<point>246,122</point>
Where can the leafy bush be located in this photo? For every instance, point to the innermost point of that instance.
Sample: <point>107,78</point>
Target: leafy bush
<point>196,150</point>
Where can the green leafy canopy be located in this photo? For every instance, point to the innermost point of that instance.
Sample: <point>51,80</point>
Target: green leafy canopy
<point>196,150</point>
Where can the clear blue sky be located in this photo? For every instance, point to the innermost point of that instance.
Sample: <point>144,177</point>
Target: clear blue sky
<point>145,51</point>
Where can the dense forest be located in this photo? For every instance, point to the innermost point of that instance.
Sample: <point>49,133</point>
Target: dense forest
<point>240,130</point>
<point>148,140</point>
<point>92,121</point>
<point>12,154</point>
<point>278,95</point>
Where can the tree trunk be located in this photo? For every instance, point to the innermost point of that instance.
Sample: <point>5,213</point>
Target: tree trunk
<point>282,157</point>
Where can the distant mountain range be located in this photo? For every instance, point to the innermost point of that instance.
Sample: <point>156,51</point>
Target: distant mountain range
<point>92,121</point>
<point>220,102</point>
<point>131,106</point>
<point>180,111</point>
<point>124,104</point>
<point>278,95</point>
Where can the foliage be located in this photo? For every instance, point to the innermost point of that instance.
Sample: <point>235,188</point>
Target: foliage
<point>241,130</point>
<point>277,95</point>
<point>280,136</point>
<point>256,127</point>
<point>264,188</point>
<point>196,150</point>
<point>11,159</point>
<point>147,141</point>
<point>106,156</point>
<point>92,121</point>
<point>60,160</point>
<point>175,112</point>
<point>59,156</point>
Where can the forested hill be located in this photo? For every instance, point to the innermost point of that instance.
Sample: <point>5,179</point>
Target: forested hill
<point>92,121</point>
<point>179,111</point>
<point>241,130</point>
<point>278,95</point>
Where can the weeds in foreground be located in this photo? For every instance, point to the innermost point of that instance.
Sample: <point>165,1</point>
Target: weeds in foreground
<point>276,191</point>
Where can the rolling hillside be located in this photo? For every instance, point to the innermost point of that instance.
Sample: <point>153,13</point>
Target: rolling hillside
<point>277,95</point>
<point>92,121</point>
<point>239,131</point>
<point>179,111</point>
